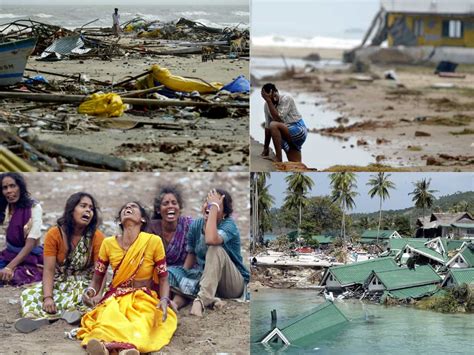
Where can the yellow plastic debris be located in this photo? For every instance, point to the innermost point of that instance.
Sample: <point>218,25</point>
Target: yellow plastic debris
<point>176,83</point>
<point>99,104</point>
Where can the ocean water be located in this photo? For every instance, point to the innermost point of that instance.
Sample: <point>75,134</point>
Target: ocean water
<point>311,23</point>
<point>73,16</point>
<point>373,329</point>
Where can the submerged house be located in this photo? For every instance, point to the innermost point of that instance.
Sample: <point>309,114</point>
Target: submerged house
<point>337,278</point>
<point>302,330</point>
<point>405,283</point>
<point>429,22</point>
<point>457,277</point>
<point>370,236</point>
<point>463,259</point>
<point>444,225</point>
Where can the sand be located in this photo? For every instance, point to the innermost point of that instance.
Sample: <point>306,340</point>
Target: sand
<point>204,145</point>
<point>225,330</point>
<point>389,115</point>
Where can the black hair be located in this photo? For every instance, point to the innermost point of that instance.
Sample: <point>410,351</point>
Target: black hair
<point>269,87</point>
<point>143,212</point>
<point>227,203</point>
<point>66,221</point>
<point>115,9</point>
<point>24,201</point>
<point>164,190</point>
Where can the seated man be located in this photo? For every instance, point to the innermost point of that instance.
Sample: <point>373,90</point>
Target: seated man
<point>283,124</point>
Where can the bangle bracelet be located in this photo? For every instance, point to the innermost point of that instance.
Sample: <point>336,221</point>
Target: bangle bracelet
<point>44,298</point>
<point>165,299</point>
<point>215,204</point>
<point>91,288</point>
<point>7,268</point>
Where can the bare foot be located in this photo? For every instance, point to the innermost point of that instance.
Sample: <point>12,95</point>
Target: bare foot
<point>129,352</point>
<point>96,347</point>
<point>266,152</point>
<point>219,304</point>
<point>197,308</point>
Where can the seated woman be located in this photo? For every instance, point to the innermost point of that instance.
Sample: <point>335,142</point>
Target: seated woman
<point>213,244</point>
<point>168,223</point>
<point>21,262</point>
<point>70,251</point>
<point>131,317</point>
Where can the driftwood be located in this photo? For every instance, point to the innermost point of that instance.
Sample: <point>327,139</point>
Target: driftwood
<point>74,99</point>
<point>95,159</point>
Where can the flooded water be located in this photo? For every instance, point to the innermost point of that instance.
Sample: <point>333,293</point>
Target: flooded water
<point>318,151</point>
<point>373,329</point>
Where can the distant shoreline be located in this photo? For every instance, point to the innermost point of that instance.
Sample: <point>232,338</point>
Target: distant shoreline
<point>292,52</point>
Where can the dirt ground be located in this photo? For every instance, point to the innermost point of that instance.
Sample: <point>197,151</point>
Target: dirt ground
<point>408,123</point>
<point>225,330</point>
<point>204,144</point>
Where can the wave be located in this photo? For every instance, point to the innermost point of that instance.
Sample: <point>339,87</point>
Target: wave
<point>41,15</point>
<point>297,42</point>
<point>193,13</point>
<point>241,13</point>
<point>11,16</point>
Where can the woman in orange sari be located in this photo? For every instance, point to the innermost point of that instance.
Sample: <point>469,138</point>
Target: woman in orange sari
<point>131,317</point>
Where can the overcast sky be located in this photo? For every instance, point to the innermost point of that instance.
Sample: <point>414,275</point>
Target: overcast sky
<point>445,183</point>
<point>124,2</point>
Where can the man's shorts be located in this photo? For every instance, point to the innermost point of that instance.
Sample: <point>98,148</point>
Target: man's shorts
<point>298,134</point>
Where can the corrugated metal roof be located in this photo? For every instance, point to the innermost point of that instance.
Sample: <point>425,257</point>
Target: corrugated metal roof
<point>468,254</point>
<point>408,278</point>
<point>461,276</point>
<point>384,234</point>
<point>399,243</point>
<point>300,330</point>
<point>463,225</point>
<point>429,6</point>
<point>357,273</point>
<point>414,292</point>
<point>323,239</point>
<point>429,253</point>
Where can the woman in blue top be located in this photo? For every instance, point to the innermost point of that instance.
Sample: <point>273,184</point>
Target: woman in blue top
<point>213,267</point>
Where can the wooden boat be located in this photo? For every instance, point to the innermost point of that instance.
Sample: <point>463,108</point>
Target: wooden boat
<point>13,58</point>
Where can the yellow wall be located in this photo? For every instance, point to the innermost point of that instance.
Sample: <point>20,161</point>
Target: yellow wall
<point>433,28</point>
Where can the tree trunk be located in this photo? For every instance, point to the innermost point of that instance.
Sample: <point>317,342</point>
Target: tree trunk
<point>380,219</point>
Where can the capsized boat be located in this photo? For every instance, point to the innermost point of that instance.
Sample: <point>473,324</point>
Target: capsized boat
<point>13,58</point>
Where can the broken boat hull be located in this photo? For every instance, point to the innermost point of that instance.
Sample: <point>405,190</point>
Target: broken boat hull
<point>13,58</point>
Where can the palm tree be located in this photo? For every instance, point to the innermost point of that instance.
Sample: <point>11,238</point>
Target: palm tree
<point>262,202</point>
<point>423,196</point>
<point>298,186</point>
<point>380,185</point>
<point>343,185</point>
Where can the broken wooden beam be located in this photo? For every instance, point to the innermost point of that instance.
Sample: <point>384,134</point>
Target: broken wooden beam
<point>75,99</point>
<point>84,156</point>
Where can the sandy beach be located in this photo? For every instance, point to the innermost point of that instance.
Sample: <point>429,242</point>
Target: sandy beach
<point>407,124</point>
<point>196,146</point>
<point>224,330</point>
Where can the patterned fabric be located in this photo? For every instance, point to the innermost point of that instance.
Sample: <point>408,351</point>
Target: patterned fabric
<point>70,281</point>
<point>187,281</point>
<point>30,270</point>
<point>176,248</point>
<point>126,314</point>
<point>298,133</point>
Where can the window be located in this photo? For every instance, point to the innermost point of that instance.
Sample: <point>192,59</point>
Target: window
<point>453,29</point>
<point>418,27</point>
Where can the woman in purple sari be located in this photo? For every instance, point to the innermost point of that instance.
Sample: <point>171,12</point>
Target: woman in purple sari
<point>168,223</point>
<point>22,260</point>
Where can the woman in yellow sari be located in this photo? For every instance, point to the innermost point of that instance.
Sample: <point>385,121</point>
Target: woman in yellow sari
<point>131,317</point>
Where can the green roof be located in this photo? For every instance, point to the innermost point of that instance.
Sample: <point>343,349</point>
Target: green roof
<point>463,225</point>
<point>451,244</point>
<point>323,239</point>
<point>468,255</point>
<point>407,278</point>
<point>414,292</point>
<point>430,253</point>
<point>399,243</point>
<point>357,273</point>
<point>461,276</point>
<point>302,329</point>
<point>372,234</point>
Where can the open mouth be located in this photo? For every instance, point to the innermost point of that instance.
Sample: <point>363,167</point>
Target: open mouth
<point>171,213</point>
<point>206,211</point>
<point>86,217</point>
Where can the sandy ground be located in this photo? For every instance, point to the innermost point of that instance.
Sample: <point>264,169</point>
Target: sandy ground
<point>407,124</point>
<point>225,330</point>
<point>204,145</point>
